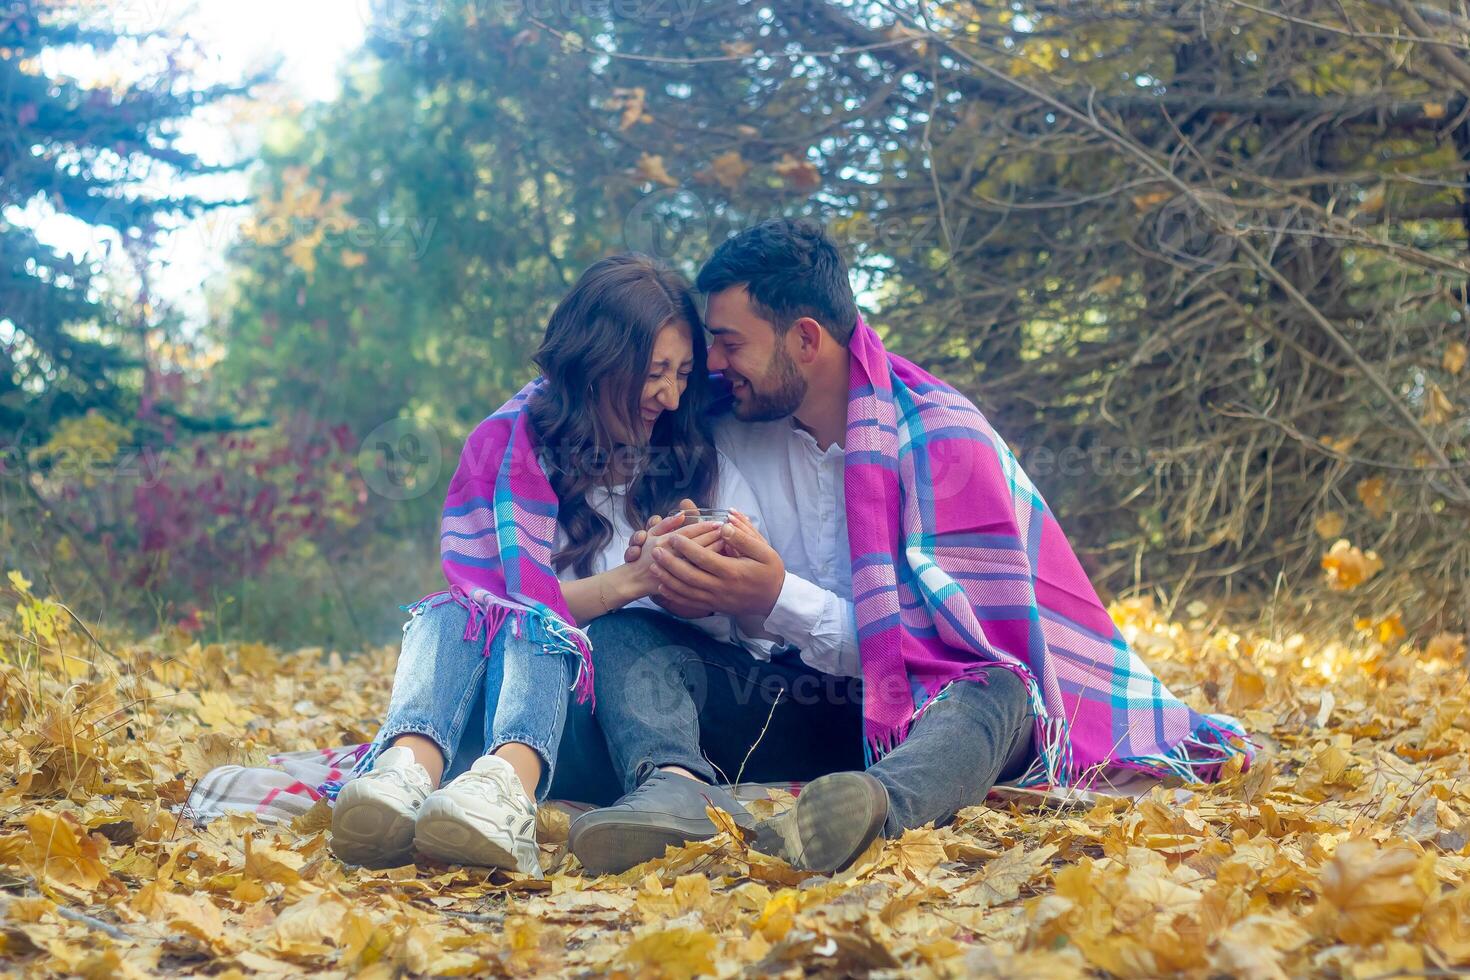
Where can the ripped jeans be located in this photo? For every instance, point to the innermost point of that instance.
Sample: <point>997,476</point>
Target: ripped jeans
<point>446,689</point>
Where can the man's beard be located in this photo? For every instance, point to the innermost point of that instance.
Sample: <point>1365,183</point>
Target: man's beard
<point>784,387</point>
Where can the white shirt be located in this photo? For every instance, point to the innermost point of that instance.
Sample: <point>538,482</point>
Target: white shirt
<point>800,489</point>
<point>731,490</point>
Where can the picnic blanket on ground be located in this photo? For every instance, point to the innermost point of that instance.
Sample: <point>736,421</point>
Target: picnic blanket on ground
<point>959,567</point>
<point>294,781</point>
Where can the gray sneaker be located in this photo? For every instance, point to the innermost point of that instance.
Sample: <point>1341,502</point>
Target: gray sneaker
<point>666,809</point>
<point>834,820</point>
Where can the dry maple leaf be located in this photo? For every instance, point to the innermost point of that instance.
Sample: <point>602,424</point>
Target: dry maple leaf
<point>61,852</point>
<point>218,710</point>
<point>312,925</point>
<point>675,954</point>
<point>1002,879</point>
<point>1446,646</point>
<point>1454,357</point>
<point>1369,891</point>
<point>1348,567</point>
<point>193,915</point>
<point>1329,526</point>
<point>266,865</point>
<point>801,175</point>
<point>1390,629</point>
<point>1147,202</point>
<point>630,102</point>
<point>727,170</point>
<point>1446,924</point>
<point>1372,493</point>
<point>1438,409</point>
<point>651,168</point>
<point>1253,948</point>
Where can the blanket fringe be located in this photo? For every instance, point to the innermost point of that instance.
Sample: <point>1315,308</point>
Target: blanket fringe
<point>1197,758</point>
<point>876,746</point>
<point>490,614</point>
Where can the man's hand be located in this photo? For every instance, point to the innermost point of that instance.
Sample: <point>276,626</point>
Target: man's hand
<point>744,581</point>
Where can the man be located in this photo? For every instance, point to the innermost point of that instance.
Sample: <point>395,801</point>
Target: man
<point>680,711</point>
<point>936,632</point>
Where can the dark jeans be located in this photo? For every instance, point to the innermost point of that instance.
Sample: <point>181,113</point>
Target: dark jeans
<point>584,771</point>
<point>670,695</point>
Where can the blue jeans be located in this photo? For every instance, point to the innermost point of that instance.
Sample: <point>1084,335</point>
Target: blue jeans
<point>469,705</point>
<point>669,694</point>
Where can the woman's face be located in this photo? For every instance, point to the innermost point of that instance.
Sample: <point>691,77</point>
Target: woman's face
<point>664,381</point>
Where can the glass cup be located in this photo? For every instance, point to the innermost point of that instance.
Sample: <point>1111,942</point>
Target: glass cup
<point>702,515</point>
<point>715,515</point>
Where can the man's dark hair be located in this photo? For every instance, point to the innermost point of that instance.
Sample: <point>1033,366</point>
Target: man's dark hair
<point>791,269</point>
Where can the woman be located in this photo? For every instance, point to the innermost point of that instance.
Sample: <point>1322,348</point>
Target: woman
<point>548,492</point>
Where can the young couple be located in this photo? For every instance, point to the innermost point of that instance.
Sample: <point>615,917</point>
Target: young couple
<point>889,613</point>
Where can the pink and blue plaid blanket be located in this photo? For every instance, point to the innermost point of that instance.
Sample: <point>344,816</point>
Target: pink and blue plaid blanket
<point>496,536</point>
<point>959,567</point>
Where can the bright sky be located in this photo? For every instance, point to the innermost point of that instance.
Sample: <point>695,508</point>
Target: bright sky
<point>312,39</point>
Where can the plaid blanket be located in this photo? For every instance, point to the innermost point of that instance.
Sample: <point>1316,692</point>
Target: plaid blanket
<point>286,788</point>
<point>294,781</point>
<point>959,567</point>
<point>496,536</point>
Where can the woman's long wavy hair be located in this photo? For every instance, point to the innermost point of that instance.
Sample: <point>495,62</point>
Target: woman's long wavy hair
<point>599,341</point>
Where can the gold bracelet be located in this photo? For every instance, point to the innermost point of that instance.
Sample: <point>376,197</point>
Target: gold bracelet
<point>601,598</point>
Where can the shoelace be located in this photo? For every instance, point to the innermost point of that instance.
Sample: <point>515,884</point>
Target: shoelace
<point>493,784</point>
<point>646,787</point>
<point>404,777</point>
<point>638,791</point>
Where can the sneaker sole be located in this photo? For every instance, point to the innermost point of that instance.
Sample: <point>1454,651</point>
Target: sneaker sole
<point>445,833</point>
<point>369,833</point>
<point>608,845</point>
<point>834,820</point>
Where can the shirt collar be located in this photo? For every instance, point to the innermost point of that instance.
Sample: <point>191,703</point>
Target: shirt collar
<point>809,440</point>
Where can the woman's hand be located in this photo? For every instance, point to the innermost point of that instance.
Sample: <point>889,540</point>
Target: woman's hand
<point>656,525</point>
<point>745,579</point>
<point>640,563</point>
<point>752,537</point>
<point>641,545</point>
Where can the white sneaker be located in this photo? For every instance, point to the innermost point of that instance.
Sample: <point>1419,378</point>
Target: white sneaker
<point>483,818</point>
<point>372,821</point>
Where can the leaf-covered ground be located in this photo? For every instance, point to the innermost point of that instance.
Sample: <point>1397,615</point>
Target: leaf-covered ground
<point>1343,853</point>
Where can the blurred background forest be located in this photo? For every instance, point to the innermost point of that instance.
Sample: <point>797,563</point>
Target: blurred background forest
<point>1202,262</point>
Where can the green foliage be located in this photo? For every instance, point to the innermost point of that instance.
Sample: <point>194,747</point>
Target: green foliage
<point>410,239</point>
<point>1121,226</point>
<point>80,151</point>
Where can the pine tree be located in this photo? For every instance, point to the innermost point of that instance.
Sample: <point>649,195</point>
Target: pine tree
<point>85,151</point>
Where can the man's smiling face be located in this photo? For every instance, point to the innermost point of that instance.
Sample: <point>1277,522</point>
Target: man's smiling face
<point>764,377</point>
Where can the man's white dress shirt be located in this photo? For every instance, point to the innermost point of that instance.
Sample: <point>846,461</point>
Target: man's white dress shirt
<point>799,487</point>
